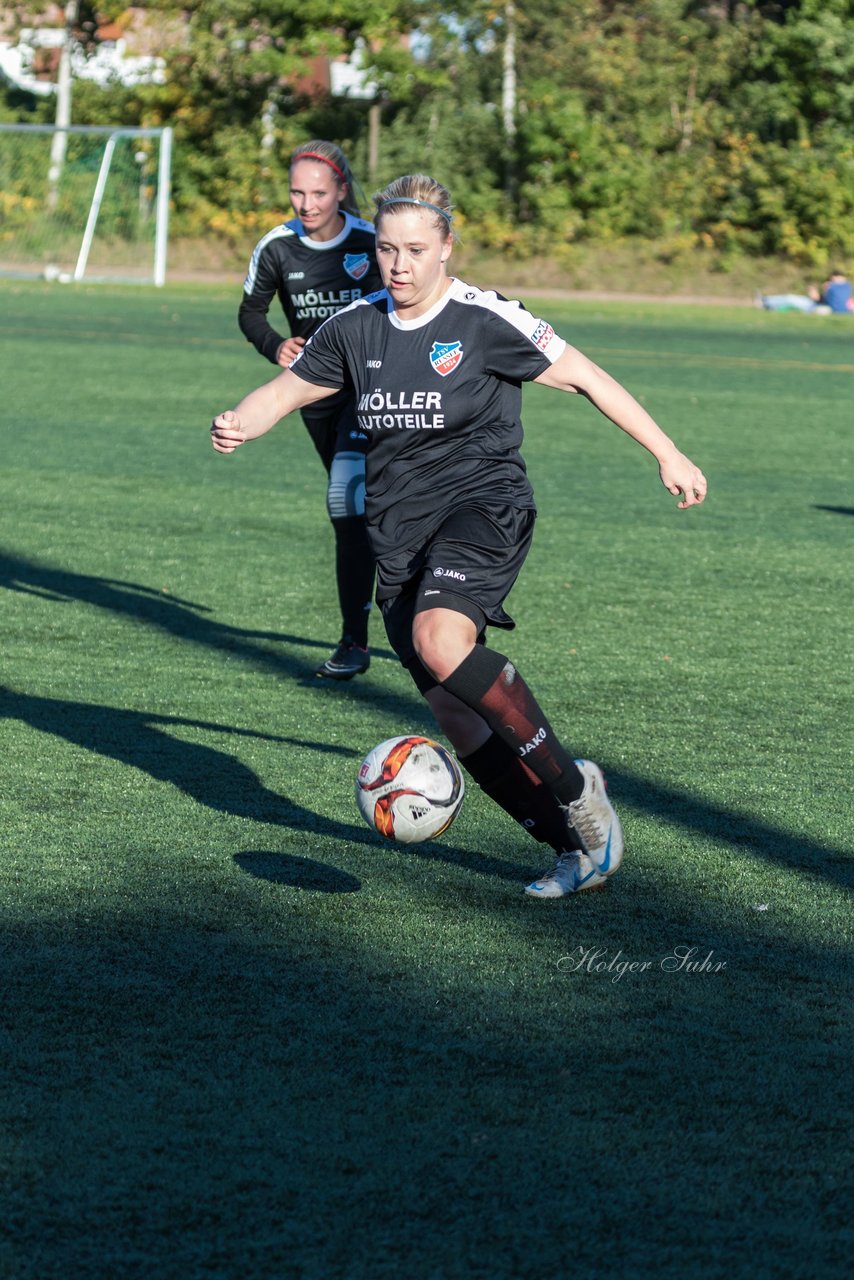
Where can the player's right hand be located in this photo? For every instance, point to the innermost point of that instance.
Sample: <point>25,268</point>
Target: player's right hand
<point>226,434</point>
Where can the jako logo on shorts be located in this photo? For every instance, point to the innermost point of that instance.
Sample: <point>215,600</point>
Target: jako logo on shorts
<point>449,573</point>
<point>445,356</point>
<point>356,264</point>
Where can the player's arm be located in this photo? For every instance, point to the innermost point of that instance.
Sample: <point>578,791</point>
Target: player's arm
<point>256,327</point>
<point>262,409</point>
<point>266,274</point>
<point>576,373</point>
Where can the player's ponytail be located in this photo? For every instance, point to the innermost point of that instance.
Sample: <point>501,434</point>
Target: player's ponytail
<point>423,192</point>
<point>334,157</point>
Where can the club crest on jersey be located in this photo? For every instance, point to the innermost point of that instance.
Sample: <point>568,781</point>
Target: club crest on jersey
<point>445,356</point>
<point>356,265</point>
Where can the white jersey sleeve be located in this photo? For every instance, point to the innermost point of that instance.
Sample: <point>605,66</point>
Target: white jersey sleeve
<point>520,345</point>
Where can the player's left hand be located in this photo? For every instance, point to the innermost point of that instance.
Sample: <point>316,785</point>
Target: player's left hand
<point>680,475</point>
<point>288,351</point>
<point>226,434</point>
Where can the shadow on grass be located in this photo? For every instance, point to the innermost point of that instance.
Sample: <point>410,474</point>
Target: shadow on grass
<point>304,873</point>
<point>222,782</point>
<point>217,780</point>
<point>299,873</point>
<point>740,831</point>
<point>172,614</point>
<point>360,1101</point>
<point>837,511</point>
<point>213,778</point>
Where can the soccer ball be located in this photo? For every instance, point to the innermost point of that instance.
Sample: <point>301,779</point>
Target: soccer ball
<point>409,789</point>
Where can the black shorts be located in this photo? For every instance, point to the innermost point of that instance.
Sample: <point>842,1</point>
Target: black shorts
<point>469,564</point>
<point>333,428</point>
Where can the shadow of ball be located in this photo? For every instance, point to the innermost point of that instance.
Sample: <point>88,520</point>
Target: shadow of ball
<point>299,873</point>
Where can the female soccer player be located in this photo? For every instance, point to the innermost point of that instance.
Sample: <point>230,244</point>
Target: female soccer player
<point>319,262</point>
<point>437,366</point>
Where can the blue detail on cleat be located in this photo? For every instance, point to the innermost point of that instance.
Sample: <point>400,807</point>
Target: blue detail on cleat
<point>603,869</point>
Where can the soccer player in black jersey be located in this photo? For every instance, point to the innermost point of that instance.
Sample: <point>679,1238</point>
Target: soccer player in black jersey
<point>319,262</point>
<point>437,366</point>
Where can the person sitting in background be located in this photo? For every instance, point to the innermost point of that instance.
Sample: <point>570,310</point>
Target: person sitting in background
<point>834,297</point>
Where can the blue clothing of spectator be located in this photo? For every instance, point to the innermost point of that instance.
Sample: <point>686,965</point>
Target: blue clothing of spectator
<point>835,296</point>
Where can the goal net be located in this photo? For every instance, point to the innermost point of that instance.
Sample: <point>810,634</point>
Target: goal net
<point>84,203</point>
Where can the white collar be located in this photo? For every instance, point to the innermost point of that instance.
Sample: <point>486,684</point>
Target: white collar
<point>419,321</point>
<point>320,245</point>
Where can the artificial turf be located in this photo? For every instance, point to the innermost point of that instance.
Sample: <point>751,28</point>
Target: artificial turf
<point>244,1037</point>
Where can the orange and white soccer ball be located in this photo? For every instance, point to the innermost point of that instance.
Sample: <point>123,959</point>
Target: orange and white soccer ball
<point>409,789</point>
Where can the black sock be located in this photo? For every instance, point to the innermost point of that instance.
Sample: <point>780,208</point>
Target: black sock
<point>506,779</point>
<point>488,682</point>
<point>354,571</point>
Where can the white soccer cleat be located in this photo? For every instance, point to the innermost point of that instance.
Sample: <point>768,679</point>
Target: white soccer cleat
<point>572,873</point>
<point>594,821</point>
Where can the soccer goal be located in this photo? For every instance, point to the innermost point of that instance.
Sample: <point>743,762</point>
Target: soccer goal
<point>84,203</point>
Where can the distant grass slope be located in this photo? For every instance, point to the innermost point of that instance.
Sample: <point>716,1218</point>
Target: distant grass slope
<point>241,1036</point>
<point>633,266</point>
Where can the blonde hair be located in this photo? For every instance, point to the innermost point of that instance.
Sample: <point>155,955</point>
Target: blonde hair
<point>334,157</point>
<point>423,192</point>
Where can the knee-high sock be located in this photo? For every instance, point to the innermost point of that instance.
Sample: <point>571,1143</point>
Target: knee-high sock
<point>488,682</point>
<point>354,571</point>
<point>506,779</point>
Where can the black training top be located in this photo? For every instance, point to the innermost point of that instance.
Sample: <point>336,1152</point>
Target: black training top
<point>314,279</point>
<point>440,398</point>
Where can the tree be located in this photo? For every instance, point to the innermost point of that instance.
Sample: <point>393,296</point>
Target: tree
<point>719,123</point>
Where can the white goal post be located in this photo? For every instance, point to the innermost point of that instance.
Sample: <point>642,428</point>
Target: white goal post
<point>84,202</point>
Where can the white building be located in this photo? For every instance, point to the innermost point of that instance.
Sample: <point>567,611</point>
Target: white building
<point>28,64</point>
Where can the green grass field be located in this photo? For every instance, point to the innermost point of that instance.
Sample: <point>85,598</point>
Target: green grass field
<point>244,1038</point>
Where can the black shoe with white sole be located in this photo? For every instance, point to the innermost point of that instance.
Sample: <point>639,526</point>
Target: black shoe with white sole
<point>348,660</point>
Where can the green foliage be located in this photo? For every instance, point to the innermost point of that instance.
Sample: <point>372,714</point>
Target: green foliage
<point>803,70</point>
<point>725,126</point>
<point>567,190</point>
<point>785,199</point>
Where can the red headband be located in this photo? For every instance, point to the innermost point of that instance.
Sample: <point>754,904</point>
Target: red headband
<point>315,155</point>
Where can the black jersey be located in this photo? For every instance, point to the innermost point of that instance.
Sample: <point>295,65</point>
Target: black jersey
<point>440,399</point>
<point>313,279</point>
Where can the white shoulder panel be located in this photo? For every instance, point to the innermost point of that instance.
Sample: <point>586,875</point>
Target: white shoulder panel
<point>539,332</point>
<point>285,230</point>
